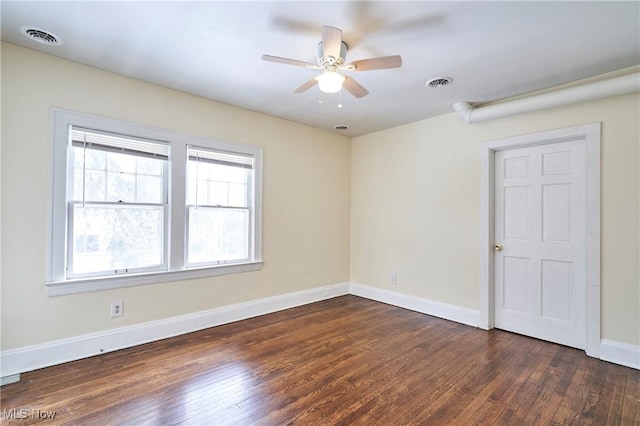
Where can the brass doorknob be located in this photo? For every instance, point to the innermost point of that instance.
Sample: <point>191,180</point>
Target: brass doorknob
<point>498,247</point>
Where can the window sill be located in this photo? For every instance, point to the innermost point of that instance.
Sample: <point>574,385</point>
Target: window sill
<point>83,285</point>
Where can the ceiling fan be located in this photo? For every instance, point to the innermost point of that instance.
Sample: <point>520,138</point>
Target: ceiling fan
<point>332,52</point>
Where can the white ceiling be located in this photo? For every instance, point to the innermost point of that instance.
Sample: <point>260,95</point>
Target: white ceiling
<point>492,50</point>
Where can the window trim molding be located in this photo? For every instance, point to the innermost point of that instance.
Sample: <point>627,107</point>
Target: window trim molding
<point>83,285</point>
<point>55,279</point>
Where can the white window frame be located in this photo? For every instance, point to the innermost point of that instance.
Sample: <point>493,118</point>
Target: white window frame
<point>248,208</point>
<point>56,278</point>
<point>163,205</point>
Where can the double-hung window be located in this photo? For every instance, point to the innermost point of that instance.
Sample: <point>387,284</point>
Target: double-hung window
<point>118,204</point>
<point>135,205</point>
<point>218,206</point>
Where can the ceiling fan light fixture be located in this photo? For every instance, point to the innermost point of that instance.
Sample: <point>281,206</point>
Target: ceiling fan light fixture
<point>332,54</point>
<point>330,81</point>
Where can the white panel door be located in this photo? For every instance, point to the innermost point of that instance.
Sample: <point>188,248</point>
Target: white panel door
<point>539,233</point>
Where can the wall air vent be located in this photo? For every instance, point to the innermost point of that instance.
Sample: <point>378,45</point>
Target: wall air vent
<point>41,36</point>
<point>439,82</point>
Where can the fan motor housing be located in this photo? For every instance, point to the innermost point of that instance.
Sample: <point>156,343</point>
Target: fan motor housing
<point>323,60</point>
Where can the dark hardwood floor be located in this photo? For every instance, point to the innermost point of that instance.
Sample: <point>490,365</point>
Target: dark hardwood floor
<point>346,360</point>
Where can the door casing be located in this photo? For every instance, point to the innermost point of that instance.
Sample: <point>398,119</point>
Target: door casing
<point>590,135</point>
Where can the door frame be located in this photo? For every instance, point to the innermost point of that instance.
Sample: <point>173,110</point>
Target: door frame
<point>590,135</point>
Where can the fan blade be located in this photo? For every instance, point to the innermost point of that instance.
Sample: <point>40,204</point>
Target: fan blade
<point>331,42</point>
<point>288,61</point>
<point>381,63</point>
<point>354,88</point>
<point>306,86</point>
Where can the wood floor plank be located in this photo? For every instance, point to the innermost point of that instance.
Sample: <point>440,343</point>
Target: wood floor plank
<point>465,390</point>
<point>346,360</point>
<point>453,365</point>
<point>485,400</point>
<point>336,373</point>
<point>631,401</point>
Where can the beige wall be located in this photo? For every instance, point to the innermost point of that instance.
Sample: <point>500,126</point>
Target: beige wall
<point>416,206</point>
<point>415,201</point>
<point>305,243</point>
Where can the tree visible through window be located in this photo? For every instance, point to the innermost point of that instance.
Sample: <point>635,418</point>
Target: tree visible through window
<point>118,204</point>
<point>149,204</point>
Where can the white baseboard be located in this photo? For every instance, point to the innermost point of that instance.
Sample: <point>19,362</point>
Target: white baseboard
<point>437,309</point>
<point>13,362</point>
<point>29,358</point>
<point>620,353</point>
<point>611,351</point>
<point>9,379</point>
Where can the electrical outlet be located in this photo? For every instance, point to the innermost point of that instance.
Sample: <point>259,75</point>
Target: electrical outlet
<point>394,279</point>
<point>117,308</point>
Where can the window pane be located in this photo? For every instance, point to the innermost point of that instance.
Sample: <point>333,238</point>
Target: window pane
<point>78,185</point>
<point>238,195</point>
<point>218,194</point>
<point>129,178</point>
<point>149,166</point>
<point>109,238</point>
<point>217,235</point>
<point>149,189</point>
<point>88,158</point>
<point>237,175</point>
<point>120,187</point>
<point>121,163</point>
<point>94,159</point>
<point>217,184</point>
<point>191,191</point>
<point>93,185</point>
<point>78,157</point>
<point>218,172</point>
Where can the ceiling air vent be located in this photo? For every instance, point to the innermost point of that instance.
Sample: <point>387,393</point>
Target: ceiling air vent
<point>439,82</point>
<point>340,127</point>
<point>41,36</point>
